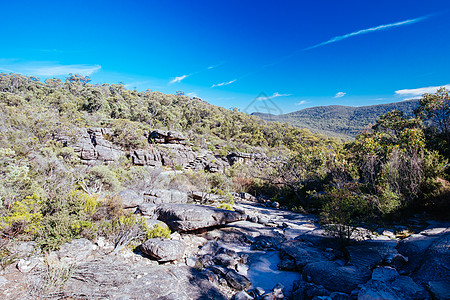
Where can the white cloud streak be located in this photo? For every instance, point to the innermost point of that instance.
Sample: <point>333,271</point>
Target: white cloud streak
<point>420,91</point>
<point>368,30</point>
<point>179,78</point>
<point>340,95</point>
<point>275,95</point>
<point>301,102</point>
<point>224,83</point>
<point>49,69</point>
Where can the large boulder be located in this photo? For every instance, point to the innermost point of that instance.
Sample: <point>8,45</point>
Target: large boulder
<point>163,249</point>
<point>335,277</point>
<point>187,217</point>
<point>158,196</point>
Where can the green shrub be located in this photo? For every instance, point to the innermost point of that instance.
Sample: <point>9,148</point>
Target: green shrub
<point>344,210</point>
<point>26,213</point>
<point>226,206</point>
<point>158,230</point>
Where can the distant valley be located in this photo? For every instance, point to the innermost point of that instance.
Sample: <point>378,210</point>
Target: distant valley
<point>337,120</point>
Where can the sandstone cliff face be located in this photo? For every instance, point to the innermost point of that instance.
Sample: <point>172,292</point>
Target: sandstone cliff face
<point>94,146</point>
<point>91,145</point>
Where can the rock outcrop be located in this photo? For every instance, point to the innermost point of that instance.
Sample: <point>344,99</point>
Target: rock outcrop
<point>158,196</point>
<point>188,217</point>
<point>166,137</point>
<point>112,279</point>
<point>92,145</point>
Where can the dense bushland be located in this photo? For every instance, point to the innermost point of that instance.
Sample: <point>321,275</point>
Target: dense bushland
<point>47,195</point>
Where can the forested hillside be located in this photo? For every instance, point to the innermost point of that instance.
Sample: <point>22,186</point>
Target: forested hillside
<point>51,193</point>
<point>340,121</point>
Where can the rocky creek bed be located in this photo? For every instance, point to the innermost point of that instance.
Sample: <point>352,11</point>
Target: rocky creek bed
<point>255,252</point>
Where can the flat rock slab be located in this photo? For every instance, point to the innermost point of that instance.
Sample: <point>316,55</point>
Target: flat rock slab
<point>188,217</point>
<point>402,287</point>
<point>335,277</point>
<point>368,254</point>
<point>113,279</point>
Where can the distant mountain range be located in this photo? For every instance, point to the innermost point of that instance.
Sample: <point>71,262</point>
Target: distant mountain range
<point>337,120</point>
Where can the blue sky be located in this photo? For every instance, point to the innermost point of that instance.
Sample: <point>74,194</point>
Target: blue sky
<point>299,53</point>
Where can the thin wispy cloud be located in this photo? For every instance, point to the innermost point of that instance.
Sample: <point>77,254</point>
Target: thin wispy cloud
<point>340,95</point>
<point>49,68</point>
<point>182,77</point>
<point>179,78</point>
<point>301,102</point>
<point>274,95</point>
<point>368,30</point>
<point>340,38</point>
<point>419,91</point>
<point>224,83</point>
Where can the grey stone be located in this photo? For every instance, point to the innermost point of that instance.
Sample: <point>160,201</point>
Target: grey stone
<point>163,249</point>
<point>3,280</point>
<point>158,196</point>
<point>269,243</point>
<point>26,265</point>
<point>402,287</point>
<point>440,289</point>
<point>211,247</point>
<point>130,198</point>
<point>148,157</point>
<point>76,251</point>
<point>368,254</point>
<point>435,261</point>
<point>302,253</point>
<point>384,274</point>
<point>187,217</point>
<point>225,260</point>
<point>278,291</point>
<point>148,209</point>
<point>414,247</point>
<point>237,281</point>
<point>110,278</point>
<point>242,295</point>
<point>339,296</point>
<point>335,277</point>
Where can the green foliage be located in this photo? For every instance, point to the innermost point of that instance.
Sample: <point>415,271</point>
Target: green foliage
<point>226,206</point>
<point>26,214</point>
<point>434,110</point>
<point>158,230</point>
<point>344,122</point>
<point>344,209</point>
